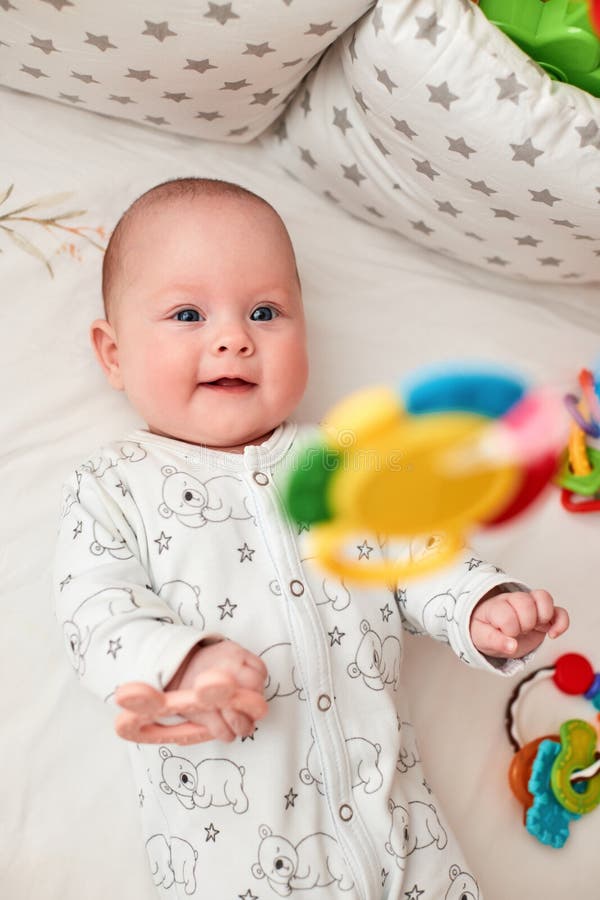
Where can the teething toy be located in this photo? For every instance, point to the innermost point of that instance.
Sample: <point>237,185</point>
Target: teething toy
<point>557,778</point>
<point>145,707</point>
<point>449,449</point>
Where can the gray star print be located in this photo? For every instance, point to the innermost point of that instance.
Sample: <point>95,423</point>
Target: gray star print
<point>564,222</point>
<point>177,98</point>
<point>235,85</point>
<point>404,127</point>
<point>140,74</point>
<point>447,207</point>
<point>481,185</point>
<point>352,174</point>
<point>100,41</point>
<point>222,12</point>
<point>199,65</point>
<point>360,100</point>
<point>306,157</point>
<point>340,119</point>
<point>59,4</point>
<point>384,78</point>
<point>352,47</point>
<point>510,89</point>
<point>421,226</point>
<point>258,50</point>
<point>497,261</point>
<point>209,116</point>
<point>526,152</point>
<point>425,168</point>
<point>320,29</point>
<point>265,97</point>
<point>527,241</point>
<point>157,120</point>
<point>87,79</point>
<point>159,30</point>
<point>550,261</point>
<point>45,45</point>
<point>123,100</point>
<point>72,98</point>
<point>36,73</point>
<point>305,105</point>
<point>544,197</point>
<point>429,29</point>
<point>590,135</point>
<point>459,145</point>
<point>441,94</point>
<point>380,145</point>
<point>504,214</point>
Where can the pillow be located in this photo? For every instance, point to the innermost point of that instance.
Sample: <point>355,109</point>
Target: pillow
<point>221,71</point>
<point>425,119</point>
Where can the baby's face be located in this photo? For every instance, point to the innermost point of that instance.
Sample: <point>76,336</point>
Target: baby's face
<point>209,322</point>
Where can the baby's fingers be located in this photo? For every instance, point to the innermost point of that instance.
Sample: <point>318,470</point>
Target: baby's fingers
<point>559,623</point>
<point>490,640</point>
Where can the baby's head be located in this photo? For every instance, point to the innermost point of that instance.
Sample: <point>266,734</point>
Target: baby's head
<point>204,327</point>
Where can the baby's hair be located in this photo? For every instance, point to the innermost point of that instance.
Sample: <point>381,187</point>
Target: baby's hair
<point>176,189</point>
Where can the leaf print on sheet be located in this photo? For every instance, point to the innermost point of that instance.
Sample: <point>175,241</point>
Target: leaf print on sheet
<point>52,224</point>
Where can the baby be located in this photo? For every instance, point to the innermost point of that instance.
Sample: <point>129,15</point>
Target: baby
<point>173,561</point>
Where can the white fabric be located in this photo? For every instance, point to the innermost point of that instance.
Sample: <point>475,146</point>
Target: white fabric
<point>164,543</point>
<point>220,71</point>
<point>425,119</point>
<point>377,306</point>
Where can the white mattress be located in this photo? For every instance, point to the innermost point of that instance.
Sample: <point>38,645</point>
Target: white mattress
<point>377,306</point>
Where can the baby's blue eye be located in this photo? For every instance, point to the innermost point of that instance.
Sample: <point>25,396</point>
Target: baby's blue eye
<point>264,314</point>
<point>187,315</point>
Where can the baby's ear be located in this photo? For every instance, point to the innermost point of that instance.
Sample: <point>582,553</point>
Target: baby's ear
<point>104,344</point>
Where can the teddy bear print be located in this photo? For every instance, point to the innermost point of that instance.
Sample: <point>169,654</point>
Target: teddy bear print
<point>331,590</point>
<point>363,756</point>
<point>113,544</point>
<point>99,465</point>
<point>463,886</point>
<point>213,782</point>
<point>413,829</point>
<point>314,862</point>
<point>378,662</point>
<point>173,863</point>
<point>438,612</point>
<point>283,679</point>
<point>184,599</point>
<point>195,503</point>
<point>78,630</point>
<point>408,755</point>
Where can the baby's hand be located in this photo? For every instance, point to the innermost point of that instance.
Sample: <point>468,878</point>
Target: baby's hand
<point>218,690</point>
<point>513,624</point>
<point>229,658</point>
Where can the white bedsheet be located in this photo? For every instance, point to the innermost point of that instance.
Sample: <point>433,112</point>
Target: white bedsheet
<point>376,306</point>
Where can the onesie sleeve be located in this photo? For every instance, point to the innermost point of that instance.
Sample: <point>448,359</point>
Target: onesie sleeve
<point>115,628</point>
<point>440,605</point>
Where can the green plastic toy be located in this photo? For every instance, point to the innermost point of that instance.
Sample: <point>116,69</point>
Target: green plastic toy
<point>557,34</point>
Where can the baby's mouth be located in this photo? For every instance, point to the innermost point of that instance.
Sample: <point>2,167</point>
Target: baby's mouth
<point>232,385</point>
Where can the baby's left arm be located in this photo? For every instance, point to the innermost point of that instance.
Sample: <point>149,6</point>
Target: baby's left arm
<point>512,624</point>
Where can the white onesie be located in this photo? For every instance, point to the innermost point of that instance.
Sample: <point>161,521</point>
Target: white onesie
<point>162,543</point>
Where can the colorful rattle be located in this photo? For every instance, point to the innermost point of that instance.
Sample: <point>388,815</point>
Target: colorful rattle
<point>579,474</point>
<point>450,449</point>
<point>556,778</point>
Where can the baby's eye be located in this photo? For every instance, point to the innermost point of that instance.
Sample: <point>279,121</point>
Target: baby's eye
<point>187,315</point>
<point>263,314</point>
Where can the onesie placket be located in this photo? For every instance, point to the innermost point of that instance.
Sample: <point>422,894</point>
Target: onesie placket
<point>310,650</point>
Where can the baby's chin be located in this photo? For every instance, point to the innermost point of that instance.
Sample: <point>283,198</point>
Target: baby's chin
<point>225,443</point>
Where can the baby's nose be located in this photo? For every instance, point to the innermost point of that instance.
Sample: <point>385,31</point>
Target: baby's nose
<point>235,341</point>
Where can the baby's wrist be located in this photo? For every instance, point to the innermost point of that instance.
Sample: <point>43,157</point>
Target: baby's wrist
<point>181,679</point>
